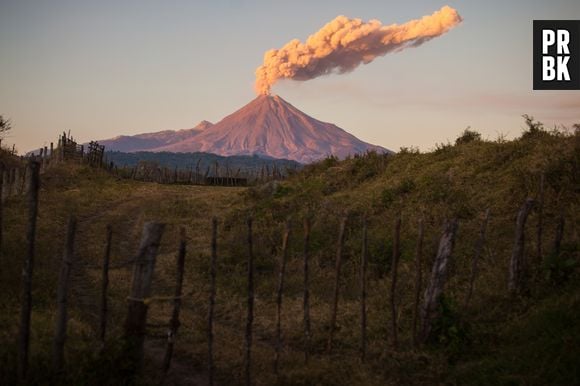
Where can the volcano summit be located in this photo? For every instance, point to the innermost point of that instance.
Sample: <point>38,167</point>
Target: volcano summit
<point>267,126</point>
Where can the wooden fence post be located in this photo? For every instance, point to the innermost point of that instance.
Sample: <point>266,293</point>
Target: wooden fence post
<point>250,317</point>
<point>438,278</point>
<point>363,292</point>
<point>517,271</point>
<point>212,293</point>
<point>394,272</point>
<point>306,296</point>
<point>418,279</point>
<point>174,322</point>
<point>62,297</point>
<point>104,306</point>
<point>280,294</point>
<point>140,291</point>
<point>475,260</point>
<point>334,310</point>
<point>27,271</point>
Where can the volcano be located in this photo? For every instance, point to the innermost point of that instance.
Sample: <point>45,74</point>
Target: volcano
<point>271,127</point>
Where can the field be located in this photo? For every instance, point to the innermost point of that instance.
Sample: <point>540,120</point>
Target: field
<point>498,338</point>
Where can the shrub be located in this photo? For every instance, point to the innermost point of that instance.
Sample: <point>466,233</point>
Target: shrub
<point>468,136</point>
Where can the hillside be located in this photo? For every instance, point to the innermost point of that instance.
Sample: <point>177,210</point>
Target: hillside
<point>496,339</point>
<point>244,163</point>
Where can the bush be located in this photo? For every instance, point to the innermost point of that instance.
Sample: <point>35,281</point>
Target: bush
<point>468,136</point>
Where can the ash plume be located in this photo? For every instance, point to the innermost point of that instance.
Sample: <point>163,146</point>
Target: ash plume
<point>344,44</point>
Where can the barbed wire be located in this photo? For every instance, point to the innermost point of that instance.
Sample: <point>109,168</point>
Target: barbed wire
<point>118,265</point>
<point>152,299</point>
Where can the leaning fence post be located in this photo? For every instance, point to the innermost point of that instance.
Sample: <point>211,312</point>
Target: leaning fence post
<point>140,291</point>
<point>104,288</point>
<point>438,278</point>
<point>62,296</point>
<point>250,317</point>
<point>174,322</point>
<point>212,293</point>
<point>517,263</point>
<point>26,296</point>
<point>339,253</point>
<point>280,294</point>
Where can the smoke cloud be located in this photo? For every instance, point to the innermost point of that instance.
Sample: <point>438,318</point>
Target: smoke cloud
<point>344,44</point>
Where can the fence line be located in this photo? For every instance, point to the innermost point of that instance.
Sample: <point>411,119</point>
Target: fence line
<point>141,296</point>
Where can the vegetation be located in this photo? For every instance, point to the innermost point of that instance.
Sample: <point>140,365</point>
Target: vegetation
<point>5,126</point>
<point>499,339</point>
<point>203,161</point>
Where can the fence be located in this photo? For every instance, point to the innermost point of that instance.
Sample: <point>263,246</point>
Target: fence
<point>67,150</point>
<point>140,295</point>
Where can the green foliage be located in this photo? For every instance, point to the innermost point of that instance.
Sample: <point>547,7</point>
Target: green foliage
<point>449,331</point>
<point>380,257</point>
<point>282,190</point>
<point>408,150</point>
<point>539,347</point>
<point>390,194</point>
<point>441,148</point>
<point>329,162</point>
<point>558,268</point>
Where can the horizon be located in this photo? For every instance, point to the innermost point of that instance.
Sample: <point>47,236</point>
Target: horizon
<point>107,69</point>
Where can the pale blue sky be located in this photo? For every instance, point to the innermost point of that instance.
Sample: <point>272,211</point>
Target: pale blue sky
<point>104,68</point>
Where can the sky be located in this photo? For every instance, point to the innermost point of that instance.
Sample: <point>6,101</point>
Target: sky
<point>109,67</point>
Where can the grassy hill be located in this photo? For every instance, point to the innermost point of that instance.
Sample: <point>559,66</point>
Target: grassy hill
<point>497,339</point>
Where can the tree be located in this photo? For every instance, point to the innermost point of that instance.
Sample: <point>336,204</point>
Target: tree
<point>534,127</point>
<point>5,126</point>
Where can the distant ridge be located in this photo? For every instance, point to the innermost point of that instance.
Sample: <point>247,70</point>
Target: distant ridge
<point>149,141</point>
